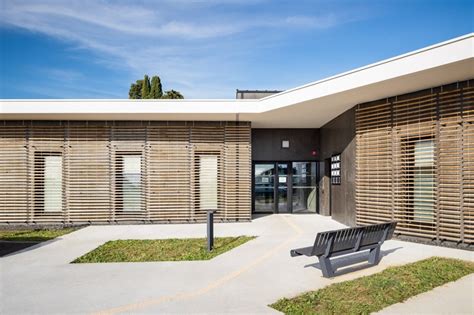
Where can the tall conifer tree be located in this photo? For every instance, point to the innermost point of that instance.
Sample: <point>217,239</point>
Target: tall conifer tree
<point>156,88</point>
<point>143,89</point>
<point>146,87</point>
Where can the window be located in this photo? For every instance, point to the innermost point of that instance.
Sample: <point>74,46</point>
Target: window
<point>128,181</point>
<point>48,181</point>
<point>423,180</point>
<point>208,179</point>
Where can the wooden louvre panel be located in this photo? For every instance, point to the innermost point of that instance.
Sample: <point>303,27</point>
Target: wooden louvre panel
<point>374,158</point>
<point>468,164</point>
<point>169,172</point>
<point>450,165</point>
<point>128,167</point>
<point>126,171</point>
<point>14,172</point>
<point>207,149</point>
<point>89,185</point>
<point>46,142</point>
<point>237,172</point>
<point>415,162</point>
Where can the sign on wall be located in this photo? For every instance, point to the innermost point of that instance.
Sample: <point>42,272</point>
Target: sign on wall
<point>336,169</point>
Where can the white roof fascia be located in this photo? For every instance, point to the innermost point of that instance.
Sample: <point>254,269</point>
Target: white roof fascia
<point>454,50</point>
<point>456,56</point>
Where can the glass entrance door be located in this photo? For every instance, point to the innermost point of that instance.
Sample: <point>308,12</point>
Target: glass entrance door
<point>282,188</point>
<point>264,187</point>
<point>285,187</point>
<point>304,196</point>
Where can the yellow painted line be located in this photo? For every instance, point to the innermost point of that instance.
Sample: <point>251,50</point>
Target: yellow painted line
<point>213,285</point>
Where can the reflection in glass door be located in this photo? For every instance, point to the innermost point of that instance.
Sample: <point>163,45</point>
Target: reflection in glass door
<point>283,188</point>
<point>304,187</point>
<point>264,187</point>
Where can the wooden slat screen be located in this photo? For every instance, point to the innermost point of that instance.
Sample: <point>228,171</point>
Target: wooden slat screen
<point>169,155</point>
<point>468,165</point>
<point>235,156</point>
<point>46,139</point>
<point>14,172</point>
<point>415,162</point>
<point>89,185</point>
<point>207,140</point>
<point>99,161</point>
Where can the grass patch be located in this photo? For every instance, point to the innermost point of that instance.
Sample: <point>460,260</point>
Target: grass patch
<point>375,292</point>
<point>39,235</point>
<point>160,250</point>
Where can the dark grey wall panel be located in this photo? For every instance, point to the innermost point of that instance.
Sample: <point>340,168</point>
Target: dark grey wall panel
<point>266,144</point>
<point>338,136</point>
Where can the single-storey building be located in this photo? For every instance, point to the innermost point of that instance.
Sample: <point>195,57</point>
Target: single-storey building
<point>392,140</point>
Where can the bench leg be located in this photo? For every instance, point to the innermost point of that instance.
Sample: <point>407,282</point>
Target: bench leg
<point>326,267</point>
<point>374,256</point>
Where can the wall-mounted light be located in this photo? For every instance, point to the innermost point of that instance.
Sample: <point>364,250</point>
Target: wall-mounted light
<point>285,144</point>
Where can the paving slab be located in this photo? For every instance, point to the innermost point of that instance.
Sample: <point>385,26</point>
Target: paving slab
<point>244,280</point>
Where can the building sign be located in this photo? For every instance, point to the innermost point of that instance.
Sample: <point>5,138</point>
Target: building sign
<point>336,169</point>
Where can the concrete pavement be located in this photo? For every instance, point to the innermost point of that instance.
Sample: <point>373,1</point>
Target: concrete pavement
<point>244,280</point>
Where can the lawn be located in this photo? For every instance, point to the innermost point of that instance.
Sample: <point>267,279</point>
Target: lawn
<point>373,293</point>
<point>39,235</point>
<point>160,250</point>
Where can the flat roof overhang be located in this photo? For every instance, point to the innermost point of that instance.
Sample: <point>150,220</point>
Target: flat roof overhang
<point>308,106</point>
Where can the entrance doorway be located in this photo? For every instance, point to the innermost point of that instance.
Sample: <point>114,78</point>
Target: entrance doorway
<point>285,187</point>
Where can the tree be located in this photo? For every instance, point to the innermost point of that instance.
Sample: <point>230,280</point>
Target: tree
<point>156,88</point>
<point>172,94</point>
<point>135,91</point>
<point>143,89</point>
<point>146,87</point>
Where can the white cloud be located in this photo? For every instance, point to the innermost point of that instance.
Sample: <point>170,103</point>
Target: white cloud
<point>186,42</point>
<point>61,75</point>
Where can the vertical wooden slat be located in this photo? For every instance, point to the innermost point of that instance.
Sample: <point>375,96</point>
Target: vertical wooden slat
<point>468,163</point>
<point>66,168</point>
<point>146,175</point>
<point>450,165</point>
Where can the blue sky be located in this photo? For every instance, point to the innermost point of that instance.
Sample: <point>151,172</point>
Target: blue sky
<point>207,48</point>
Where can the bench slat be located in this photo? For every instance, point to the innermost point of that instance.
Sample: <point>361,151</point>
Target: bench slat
<point>344,241</point>
<point>350,239</point>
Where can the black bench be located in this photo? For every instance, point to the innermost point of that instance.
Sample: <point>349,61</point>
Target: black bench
<point>340,242</point>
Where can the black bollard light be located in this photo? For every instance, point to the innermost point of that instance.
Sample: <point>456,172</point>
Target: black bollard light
<point>210,229</point>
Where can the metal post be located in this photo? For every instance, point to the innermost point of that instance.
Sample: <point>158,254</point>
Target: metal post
<point>210,230</point>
